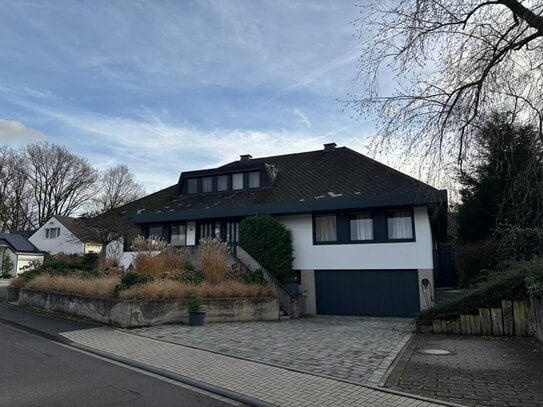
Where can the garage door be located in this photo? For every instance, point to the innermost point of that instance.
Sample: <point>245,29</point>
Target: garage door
<point>392,293</point>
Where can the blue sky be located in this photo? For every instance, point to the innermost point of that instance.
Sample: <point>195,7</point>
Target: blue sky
<point>167,86</point>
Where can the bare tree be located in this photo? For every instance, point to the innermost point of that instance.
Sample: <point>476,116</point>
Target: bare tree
<point>117,187</point>
<point>15,202</point>
<point>452,63</point>
<point>61,182</point>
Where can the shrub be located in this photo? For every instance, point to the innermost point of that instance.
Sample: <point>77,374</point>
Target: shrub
<point>7,266</point>
<point>508,283</point>
<point>520,243</point>
<point>190,275</point>
<point>90,261</point>
<point>214,259</point>
<point>270,243</point>
<point>131,279</point>
<point>103,287</point>
<point>256,277</point>
<point>194,302</point>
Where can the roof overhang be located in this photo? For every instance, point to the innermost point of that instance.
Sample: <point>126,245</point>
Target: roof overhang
<point>435,199</point>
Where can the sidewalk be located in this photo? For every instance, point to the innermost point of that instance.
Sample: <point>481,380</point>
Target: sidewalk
<point>259,384</point>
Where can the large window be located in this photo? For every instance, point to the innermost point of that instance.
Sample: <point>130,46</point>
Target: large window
<point>361,226</point>
<point>207,184</point>
<point>254,179</point>
<point>222,183</point>
<point>52,233</point>
<point>400,225</point>
<point>178,235</point>
<point>237,181</point>
<point>192,185</point>
<point>155,231</point>
<point>325,228</point>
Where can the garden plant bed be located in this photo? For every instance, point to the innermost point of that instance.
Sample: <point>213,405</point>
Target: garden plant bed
<point>135,313</point>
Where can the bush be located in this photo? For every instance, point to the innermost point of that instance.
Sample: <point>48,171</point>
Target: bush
<point>194,302</point>
<point>520,243</point>
<point>7,266</point>
<point>509,283</point>
<point>190,275</point>
<point>256,277</point>
<point>156,258</point>
<point>214,259</point>
<point>270,243</point>
<point>131,279</point>
<point>90,262</point>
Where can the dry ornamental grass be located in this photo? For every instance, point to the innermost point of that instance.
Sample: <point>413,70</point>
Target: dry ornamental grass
<point>214,259</point>
<point>102,287</point>
<point>169,289</point>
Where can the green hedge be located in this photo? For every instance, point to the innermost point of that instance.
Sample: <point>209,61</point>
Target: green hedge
<point>269,243</point>
<point>510,284</point>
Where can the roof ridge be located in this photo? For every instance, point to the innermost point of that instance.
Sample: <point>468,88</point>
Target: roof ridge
<point>283,155</point>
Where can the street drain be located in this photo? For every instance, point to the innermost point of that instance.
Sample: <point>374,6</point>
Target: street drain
<point>435,352</point>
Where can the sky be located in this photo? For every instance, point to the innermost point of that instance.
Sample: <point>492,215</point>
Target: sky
<point>171,86</point>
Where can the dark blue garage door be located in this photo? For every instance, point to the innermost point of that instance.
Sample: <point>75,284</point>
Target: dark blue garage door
<point>383,293</point>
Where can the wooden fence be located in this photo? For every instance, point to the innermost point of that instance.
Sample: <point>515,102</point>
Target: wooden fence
<point>513,318</point>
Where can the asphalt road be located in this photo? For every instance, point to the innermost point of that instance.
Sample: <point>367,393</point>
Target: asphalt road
<point>37,372</point>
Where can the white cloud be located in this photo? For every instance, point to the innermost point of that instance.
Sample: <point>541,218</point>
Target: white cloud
<point>297,112</point>
<point>11,130</point>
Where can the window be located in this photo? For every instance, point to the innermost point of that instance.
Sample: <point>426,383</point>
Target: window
<point>192,185</point>
<point>210,231</point>
<point>361,227</point>
<point>52,233</point>
<point>400,225</point>
<point>155,231</point>
<point>222,183</point>
<point>254,179</point>
<point>207,184</point>
<point>178,235</point>
<point>237,181</point>
<point>325,228</point>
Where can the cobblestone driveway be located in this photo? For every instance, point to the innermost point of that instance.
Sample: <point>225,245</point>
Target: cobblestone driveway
<point>355,349</point>
<point>482,371</point>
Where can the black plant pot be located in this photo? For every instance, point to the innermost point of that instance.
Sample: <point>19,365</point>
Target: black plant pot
<point>197,318</point>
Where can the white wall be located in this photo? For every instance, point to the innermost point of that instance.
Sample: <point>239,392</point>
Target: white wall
<point>191,233</point>
<point>371,256</point>
<point>65,243</point>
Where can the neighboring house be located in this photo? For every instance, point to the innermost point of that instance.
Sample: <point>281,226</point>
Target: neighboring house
<point>364,234</point>
<point>23,254</point>
<point>63,234</point>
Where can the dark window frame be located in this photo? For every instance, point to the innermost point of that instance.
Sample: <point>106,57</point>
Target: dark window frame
<point>259,175</point>
<point>352,216</point>
<point>196,180</point>
<point>409,239</point>
<point>319,242</point>
<point>170,233</point>
<point>211,184</point>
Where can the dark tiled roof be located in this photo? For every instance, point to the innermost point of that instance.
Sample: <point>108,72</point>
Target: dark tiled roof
<point>323,175</point>
<point>77,227</point>
<point>19,243</point>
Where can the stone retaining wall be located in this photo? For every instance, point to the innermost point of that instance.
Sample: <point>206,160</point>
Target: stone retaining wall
<point>131,314</point>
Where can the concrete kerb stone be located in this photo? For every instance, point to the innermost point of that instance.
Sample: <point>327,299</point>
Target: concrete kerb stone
<point>392,392</point>
<point>399,355</point>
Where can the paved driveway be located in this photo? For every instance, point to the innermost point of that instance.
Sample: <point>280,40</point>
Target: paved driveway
<point>350,348</point>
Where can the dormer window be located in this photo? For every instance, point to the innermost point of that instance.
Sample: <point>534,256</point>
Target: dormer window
<point>254,179</point>
<point>237,181</point>
<point>222,183</point>
<point>207,184</point>
<point>192,185</point>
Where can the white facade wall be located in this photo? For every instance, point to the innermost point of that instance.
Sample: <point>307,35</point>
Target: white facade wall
<point>191,233</point>
<point>417,255</point>
<point>356,256</point>
<point>65,243</point>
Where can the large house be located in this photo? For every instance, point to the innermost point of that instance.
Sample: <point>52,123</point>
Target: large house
<point>64,234</point>
<point>363,233</point>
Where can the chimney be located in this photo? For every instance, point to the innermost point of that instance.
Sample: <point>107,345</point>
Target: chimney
<point>330,146</point>
<point>245,157</point>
